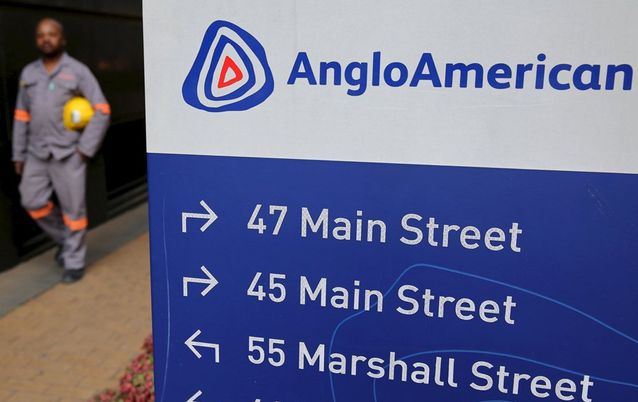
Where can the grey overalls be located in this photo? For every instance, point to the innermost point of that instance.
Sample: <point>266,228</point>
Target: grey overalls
<point>50,151</point>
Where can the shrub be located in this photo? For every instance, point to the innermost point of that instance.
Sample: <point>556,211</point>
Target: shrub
<point>136,385</point>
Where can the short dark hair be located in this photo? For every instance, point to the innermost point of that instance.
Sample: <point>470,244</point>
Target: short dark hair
<point>54,21</point>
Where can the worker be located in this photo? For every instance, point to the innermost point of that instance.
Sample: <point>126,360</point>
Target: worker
<point>50,157</point>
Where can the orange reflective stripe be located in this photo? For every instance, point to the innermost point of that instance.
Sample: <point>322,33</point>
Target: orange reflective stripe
<point>76,224</point>
<point>22,115</point>
<point>103,107</point>
<point>42,212</point>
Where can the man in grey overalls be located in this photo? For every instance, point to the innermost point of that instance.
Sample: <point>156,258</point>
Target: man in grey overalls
<point>50,157</point>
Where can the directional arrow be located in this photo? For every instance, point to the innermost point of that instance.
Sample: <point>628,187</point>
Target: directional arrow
<point>210,215</point>
<point>211,281</point>
<point>190,342</point>
<point>194,397</point>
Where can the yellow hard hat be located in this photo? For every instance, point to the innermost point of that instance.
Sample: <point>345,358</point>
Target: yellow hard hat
<point>77,113</point>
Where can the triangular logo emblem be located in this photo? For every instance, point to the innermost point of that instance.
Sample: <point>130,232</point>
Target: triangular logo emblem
<point>230,74</point>
<point>230,71</point>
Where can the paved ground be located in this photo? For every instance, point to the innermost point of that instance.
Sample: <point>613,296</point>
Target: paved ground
<point>20,284</point>
<point>72,341</point>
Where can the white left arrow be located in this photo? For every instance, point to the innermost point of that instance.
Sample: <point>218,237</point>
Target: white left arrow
<point>194,397</point>
<point>210,215</point>
<point>211,281</point>
<point>191,343</point>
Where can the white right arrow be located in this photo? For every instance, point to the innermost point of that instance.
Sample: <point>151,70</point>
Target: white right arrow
<point>194,397</point>
<point>211,282</point>
<point>191,343</point>
<point>210,215</point>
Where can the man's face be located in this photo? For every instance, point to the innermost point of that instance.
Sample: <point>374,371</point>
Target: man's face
<point>49,38</point>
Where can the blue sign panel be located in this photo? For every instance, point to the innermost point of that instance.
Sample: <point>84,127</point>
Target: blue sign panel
<point>314,281</point>
<point>393,201</point>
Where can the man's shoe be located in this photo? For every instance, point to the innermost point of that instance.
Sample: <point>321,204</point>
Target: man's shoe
<point>58,257</point>
<point>72,275</point>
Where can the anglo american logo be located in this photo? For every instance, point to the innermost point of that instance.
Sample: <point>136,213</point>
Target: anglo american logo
<point>537,74</point>
<point>230,71</point>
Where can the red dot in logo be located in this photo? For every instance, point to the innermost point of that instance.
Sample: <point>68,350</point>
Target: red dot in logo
<point>226,79</point>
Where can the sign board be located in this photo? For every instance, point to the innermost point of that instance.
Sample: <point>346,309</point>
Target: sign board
<point>393,200</point>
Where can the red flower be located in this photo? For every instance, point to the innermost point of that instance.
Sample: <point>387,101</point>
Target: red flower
<point>136,385</point>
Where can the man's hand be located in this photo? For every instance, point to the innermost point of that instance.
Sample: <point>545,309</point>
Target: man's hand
<point>19,167</point>
<point>84,157</point>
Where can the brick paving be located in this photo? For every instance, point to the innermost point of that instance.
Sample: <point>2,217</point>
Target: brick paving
<point>75,340</point>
